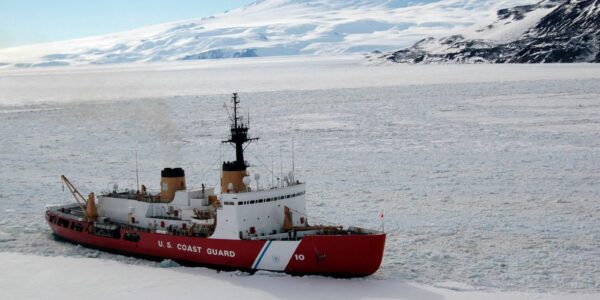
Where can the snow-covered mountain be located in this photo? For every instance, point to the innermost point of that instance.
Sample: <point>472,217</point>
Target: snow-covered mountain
<point>269,28</point>
<point>551,31</point>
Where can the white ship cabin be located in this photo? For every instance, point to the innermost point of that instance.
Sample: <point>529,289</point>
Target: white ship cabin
<point>173,209</point>
<point>262,213</point>
<point>243,214</point>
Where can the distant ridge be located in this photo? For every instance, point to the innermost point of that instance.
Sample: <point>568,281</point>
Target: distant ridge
<point>551,31</point>
<point>269,28</point>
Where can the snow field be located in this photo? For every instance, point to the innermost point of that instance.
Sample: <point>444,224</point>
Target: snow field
<point>34,277</point>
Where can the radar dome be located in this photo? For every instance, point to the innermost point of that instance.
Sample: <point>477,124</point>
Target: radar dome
<point>246,180</point>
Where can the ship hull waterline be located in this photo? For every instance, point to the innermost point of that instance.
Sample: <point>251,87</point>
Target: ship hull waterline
<point>327,255</point>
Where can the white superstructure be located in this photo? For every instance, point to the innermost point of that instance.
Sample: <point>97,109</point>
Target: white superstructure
<point>245,215</point>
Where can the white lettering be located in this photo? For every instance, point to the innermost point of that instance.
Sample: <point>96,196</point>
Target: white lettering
<point>188,248</point>
<point>220,252</point>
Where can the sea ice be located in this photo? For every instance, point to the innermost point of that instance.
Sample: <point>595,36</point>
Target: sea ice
<point>488,175</point>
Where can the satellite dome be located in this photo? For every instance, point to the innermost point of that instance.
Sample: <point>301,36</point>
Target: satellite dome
<point>246,180</point>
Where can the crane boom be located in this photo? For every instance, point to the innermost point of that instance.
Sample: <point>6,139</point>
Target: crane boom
<point>76,194</point>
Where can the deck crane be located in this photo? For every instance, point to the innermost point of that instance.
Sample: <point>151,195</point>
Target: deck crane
<point>90,206</point>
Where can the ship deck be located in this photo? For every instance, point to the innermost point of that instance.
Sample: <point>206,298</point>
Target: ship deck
<point>131,195</point>
<point>74,213</point>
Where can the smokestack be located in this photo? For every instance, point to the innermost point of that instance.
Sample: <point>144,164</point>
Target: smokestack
<point>171,180</point>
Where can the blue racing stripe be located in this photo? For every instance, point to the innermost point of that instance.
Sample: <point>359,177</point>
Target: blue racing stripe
<point>261,255</point>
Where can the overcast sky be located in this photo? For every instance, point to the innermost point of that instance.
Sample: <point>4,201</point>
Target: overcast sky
<point>25,22</point>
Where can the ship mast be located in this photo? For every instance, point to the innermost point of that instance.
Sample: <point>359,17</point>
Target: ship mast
<point>234,171</point>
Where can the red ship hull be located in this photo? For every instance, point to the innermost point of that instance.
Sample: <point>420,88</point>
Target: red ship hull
<point>331,255</point>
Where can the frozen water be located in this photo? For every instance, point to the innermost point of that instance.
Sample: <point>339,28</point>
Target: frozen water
<point>35,277</point>
<point>485,185</point>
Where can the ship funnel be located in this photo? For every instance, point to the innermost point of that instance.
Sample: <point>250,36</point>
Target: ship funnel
<point>233,181</point>
<point>171,180</point>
